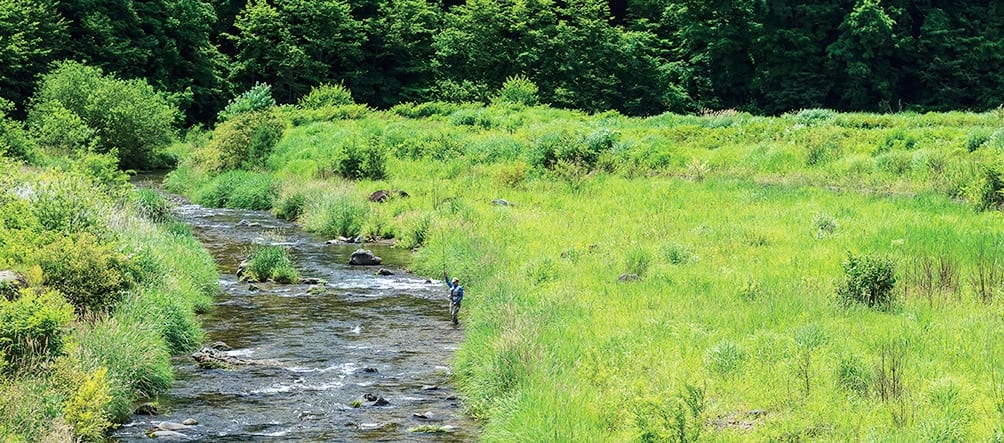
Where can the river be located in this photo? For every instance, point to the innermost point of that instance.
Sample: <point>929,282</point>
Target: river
<point>328,346</point>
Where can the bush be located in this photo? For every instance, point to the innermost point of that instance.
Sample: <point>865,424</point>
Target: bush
<point>361,160</point>
<point>868,280</point>
<point>326,95</point>
<point>86,409</point>
<point>243,142</point>
<point>238,189</point>
<point>14,140</point>
<point>254,100</point>
<point>92,276</point>
<point>270,263</point>
<point>128,115</point>
<point>517,90</point>
<point>31,329</point>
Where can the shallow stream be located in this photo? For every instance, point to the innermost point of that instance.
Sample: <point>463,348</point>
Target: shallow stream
<point>326,347</point>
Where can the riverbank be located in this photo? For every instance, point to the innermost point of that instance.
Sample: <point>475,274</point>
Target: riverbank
<point>677,276</point>
<point>107,288</point>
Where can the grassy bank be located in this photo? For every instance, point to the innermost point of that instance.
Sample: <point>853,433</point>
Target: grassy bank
<point>676,278</point>
<point>107,289</point>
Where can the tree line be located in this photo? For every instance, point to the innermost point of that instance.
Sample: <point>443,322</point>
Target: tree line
<point>640,57</point>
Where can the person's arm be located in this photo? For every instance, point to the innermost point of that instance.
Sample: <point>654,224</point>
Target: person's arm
<point>446,278</point>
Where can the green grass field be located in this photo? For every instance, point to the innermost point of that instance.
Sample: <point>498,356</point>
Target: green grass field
<point>731,233</point>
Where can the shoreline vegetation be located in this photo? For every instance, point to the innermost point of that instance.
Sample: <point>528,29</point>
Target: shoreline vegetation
<point>725,276</point>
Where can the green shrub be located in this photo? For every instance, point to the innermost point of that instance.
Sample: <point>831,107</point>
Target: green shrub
<point>476,117</point>
<point>254,100</point>
<point>75,102</point>
<point>425,109</point>
<point>977,137</point>
<point>86,409</point>
<point>92,276</point>
<point>270,263</point>
<point>517,90</point>
<point>361,160</point>
<point>152,205</point>
<point>986,187</point>
<point>102,170</point>
<point>61,131</point>
<point>244,141</point>
<point>868,280</point>
<point>238,189</point>
<point>14,140</point>
<point>302,117</point>
<point>32,328</point>
<point>326,95</point>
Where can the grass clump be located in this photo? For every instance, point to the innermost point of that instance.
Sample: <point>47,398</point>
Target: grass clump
<point>270,263</point>
<point>238,189</point>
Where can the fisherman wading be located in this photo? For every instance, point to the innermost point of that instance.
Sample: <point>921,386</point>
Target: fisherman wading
<point>456,296</point>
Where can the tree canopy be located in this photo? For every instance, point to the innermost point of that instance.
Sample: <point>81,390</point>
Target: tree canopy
<point>640,57</point>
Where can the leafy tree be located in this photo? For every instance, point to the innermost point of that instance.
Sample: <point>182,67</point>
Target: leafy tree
<point>863,57</point>
<point>294,44</point>
<point>126,116</point>
<point>166,42</point>
<point>30,33</point>
<point>711,48</point>
<point>398,64</point>
<point>791,69</point>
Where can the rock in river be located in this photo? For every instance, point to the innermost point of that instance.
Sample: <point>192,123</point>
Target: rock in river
<point>364,257</point>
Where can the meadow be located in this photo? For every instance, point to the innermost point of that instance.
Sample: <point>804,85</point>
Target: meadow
<point>673,278</point>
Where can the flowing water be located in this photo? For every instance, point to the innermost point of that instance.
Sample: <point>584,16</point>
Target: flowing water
<point>324,347</point>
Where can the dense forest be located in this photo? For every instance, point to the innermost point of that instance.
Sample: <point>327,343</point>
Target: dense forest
<point>640,57</point>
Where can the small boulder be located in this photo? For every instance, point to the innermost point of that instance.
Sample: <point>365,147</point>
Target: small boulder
<point>148,408</point>
<point>368,371</point>
<point>171,426</point>
<point>190,422</point>
<point>220,346</point>
<point>170,435</point>
<point>500,202</point>
<point>384,271</point>
<point>11,284</point>
<point>628,277</point>
<point>241,267</point>
<point>248,224</point>
<point>363,257</point>
<point>310,281</point>
<point>380,196</point>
